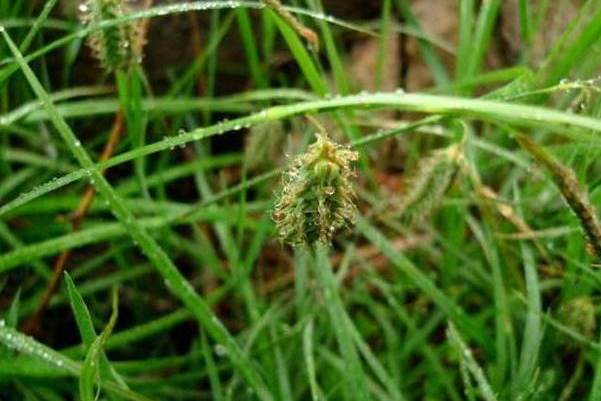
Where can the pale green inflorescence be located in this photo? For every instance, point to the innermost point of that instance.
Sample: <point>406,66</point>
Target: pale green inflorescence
<point>317,198</point>
<point>578,314</point>
<point>427,185</point>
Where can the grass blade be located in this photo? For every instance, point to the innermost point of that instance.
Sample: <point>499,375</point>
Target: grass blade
<point>356,377</point>
<point>470,363</point>
<point>90,370</point>
<point>174,280</point>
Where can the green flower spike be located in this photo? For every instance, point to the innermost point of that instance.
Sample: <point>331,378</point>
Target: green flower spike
<point>317,198</point>
<point>118,47</point>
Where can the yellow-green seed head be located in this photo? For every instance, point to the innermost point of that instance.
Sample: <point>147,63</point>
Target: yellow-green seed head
<point>317,198</point>
<point>579,315</point>
<point>429,182</point>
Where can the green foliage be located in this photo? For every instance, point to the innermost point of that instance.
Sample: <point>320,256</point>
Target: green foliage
<point>211,305</point>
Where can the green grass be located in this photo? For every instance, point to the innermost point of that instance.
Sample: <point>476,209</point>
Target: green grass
<point>177,288</point>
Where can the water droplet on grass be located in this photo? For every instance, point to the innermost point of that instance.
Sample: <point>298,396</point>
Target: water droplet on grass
<point>220,350</point>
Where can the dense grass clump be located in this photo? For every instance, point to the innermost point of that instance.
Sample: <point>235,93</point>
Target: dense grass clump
<point>172,227</point>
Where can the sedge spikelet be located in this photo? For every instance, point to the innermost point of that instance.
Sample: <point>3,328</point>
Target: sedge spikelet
<point>118,47</point>
<point>432,178</point>
<point>579,315</point>
<point>317,198</point>
<point>575,196</point>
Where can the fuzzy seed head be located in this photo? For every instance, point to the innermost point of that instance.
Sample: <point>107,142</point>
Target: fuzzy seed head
<point>579,315</point>
<point>428,184</point>
<point>317,198</point>
<point>118,47</point>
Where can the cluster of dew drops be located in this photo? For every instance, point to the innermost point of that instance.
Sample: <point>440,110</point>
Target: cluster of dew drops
<point>25,344</point>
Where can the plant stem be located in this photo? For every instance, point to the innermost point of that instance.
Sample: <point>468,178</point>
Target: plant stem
<point>338,316</point>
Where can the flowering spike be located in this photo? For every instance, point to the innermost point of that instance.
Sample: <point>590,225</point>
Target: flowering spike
<point>118,47</point>
<point>317,198</point>
<point>579,315</point>
<point>428,184</point>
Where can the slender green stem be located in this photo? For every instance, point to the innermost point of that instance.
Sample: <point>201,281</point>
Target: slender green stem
<point>356,377</point>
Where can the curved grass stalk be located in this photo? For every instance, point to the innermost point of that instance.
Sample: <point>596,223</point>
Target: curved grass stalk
<point>487,110</point>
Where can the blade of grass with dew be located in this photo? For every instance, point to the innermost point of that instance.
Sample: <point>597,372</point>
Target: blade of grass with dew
<point>21,343</point>
<point>488,110</point>
<point>175,281</point>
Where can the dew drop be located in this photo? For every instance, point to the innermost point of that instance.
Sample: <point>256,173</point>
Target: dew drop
<point>220,350</point>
